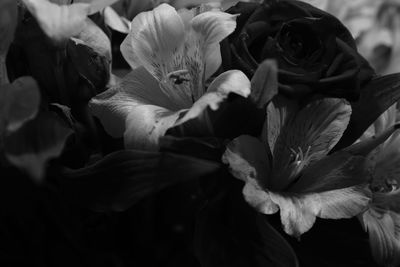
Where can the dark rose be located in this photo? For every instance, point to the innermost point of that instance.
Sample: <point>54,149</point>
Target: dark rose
<point>314,50</point>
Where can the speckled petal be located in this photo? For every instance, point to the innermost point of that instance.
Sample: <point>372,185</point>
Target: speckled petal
<point>316,128</point>
<point>155,40</point>
<point>137,88</point>
<point>382,227</point>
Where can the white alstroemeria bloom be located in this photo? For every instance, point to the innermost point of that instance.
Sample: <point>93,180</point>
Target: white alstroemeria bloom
<point>172,54</point>
<point>288,168</point>
<point>382,219</point>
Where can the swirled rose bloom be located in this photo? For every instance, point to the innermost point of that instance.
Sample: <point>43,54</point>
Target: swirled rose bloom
<point>314,50</point>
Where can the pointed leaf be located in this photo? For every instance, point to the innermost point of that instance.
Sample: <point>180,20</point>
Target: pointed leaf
<point>376,97</point>
<point>264,84</point>
<point>121,179</point>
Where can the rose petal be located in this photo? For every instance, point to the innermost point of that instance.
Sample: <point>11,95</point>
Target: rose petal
<point>156,37</point>
<point>298,212</point>
<point>213,27</point>
<point>384,241</point>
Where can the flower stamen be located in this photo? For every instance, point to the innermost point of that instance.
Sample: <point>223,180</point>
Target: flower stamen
<point>179,76</point>
<point>299,161</point>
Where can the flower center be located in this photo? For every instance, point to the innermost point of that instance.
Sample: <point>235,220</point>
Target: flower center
<point>179,76</point>
<point>298,161</point>
<point>177,86</point>
<point>387,185</point>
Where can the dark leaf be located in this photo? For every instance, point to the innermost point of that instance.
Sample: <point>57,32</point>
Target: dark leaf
<point>120,179</point>
<point>209,148</point>
<point>235,116</point>
<point>376,97</point>
<point>230,233</point>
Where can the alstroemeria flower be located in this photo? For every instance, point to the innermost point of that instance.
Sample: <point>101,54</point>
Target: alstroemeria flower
<point>172,55</point>
<point>288,168</point>
<point>382,219</point>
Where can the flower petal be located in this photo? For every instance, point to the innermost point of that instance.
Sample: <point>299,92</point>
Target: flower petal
<point>385,245</point>
<point>145,124</point>
<point>115,21</point>
<point>155,39</point>
<point>247,158</point>
<point>113,106</point>
<point>58,22</point>
<point>213,27</point>
<point>316,129</point>
<point>298,212</point>
<point>232,81</point>
<point>388,201</point>
<point>259,198</point>
<point>264,83</point>
<point>279,111</point>
<point>336,171</point>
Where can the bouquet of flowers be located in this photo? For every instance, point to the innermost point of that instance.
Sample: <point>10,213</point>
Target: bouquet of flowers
<point>197,133</point>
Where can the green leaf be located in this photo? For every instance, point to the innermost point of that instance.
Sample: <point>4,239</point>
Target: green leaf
<point>122,178</point>
<point>19,103</point>
<point>36,142</point>
<point>235,116</point>
<point>376,97</point>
